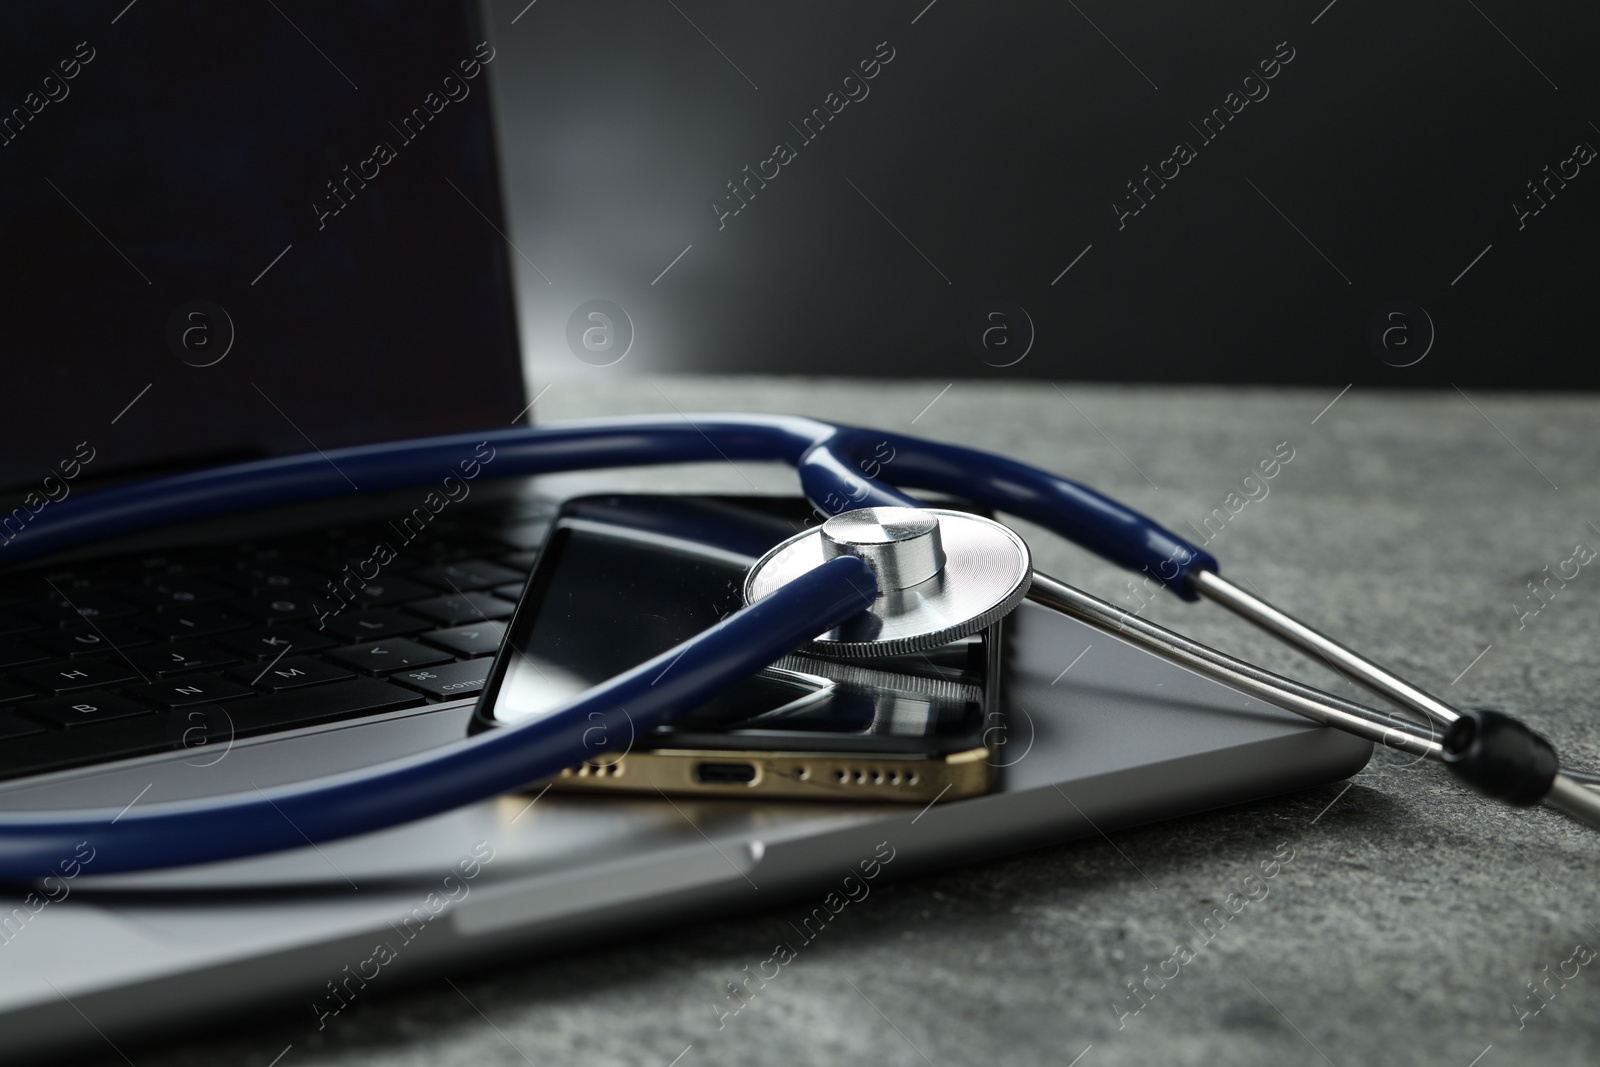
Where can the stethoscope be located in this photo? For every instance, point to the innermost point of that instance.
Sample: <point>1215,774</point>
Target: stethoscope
<point>882,575</point>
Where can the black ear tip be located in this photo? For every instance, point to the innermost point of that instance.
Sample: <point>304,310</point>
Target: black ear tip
<point>1499,757</point>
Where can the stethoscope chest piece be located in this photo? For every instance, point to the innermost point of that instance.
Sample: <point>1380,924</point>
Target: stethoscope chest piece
<point>942,575</point>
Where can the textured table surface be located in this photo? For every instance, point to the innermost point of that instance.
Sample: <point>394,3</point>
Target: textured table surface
<point>1408,925</point>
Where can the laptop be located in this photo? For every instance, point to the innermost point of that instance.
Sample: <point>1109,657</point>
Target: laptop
<point>244,232</point>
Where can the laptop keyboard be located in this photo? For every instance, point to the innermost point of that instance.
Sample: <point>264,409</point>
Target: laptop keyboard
<point>193,648</point>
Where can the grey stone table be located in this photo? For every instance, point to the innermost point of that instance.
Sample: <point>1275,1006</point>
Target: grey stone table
<point>1413,917</point>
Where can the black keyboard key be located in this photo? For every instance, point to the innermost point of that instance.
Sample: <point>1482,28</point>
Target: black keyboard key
<point>190,689</point>
<point>89,641</point>
<point>15,653</point>
<point>291,605</point>
<point>379,593</point>
<point>362,559</point>
<point>395,654</point>
<point>292,672</point>
<point>372,625</point>
<point>52,750</point>
<point>179,592</point>
<point>266,553</point>
<point>85,709</point>
<point>466,575</point>
<point>466,568</point>
<point>70,677</point>
<point>268,642</point>
<point>181,659</point>
<point>481,640</point>
<point>69,582</point>
<point>452,680</point>
<point>14,725</point>
<point>436,550</point>
<point>272,577</point>
<point>468,607</point>
<point>184,623</point>
<point>185,562</point>
<point>74,610</point>
<point>342,700</point>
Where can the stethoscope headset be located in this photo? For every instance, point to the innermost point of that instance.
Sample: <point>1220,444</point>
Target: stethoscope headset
<point>882,575</point>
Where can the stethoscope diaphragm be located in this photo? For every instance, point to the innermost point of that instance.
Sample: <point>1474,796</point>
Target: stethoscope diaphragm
<point>942,575</point>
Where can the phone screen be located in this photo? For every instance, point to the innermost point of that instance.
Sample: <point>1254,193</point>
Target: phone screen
<point>624,578</point>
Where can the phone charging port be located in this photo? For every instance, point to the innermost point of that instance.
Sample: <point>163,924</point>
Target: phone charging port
<point>725,773</point>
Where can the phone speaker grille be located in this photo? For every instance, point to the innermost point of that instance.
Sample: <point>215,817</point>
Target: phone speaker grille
<point>596,770</point>
<point>875,776</point>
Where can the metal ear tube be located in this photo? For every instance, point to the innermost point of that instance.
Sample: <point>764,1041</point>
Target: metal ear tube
<point>945,574</point>
<point>1490,752</point>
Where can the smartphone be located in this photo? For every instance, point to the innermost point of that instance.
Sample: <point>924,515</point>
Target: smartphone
<point>624,578</point>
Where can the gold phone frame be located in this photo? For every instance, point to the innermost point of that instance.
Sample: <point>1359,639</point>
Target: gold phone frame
<point>790,775</point>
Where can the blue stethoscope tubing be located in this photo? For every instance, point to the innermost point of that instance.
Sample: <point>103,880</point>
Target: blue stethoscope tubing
<point>840,468</point>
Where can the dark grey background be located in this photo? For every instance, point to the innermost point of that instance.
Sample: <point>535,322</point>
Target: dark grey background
<point>1391,150</point>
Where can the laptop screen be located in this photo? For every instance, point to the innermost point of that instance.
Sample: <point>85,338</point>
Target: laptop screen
<point>242,230</point>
